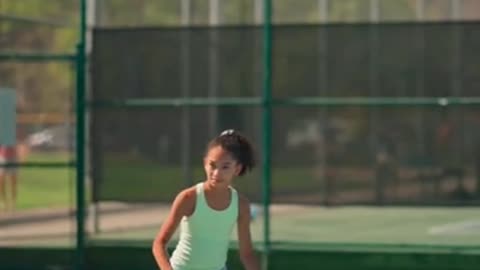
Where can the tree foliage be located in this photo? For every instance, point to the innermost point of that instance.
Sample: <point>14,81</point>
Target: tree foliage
<point>52,26</point>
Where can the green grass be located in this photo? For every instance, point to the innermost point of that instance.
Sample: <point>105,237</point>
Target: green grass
<point>46,187</point>
<point>136,179</point>
<point>55,187</point>
<point>139,179</point>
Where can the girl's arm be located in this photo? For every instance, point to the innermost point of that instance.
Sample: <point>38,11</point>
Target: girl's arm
<point>247,254</point>
<point>182,206</point>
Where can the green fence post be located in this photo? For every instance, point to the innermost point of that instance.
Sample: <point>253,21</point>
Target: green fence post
<point>267,127</point>
<point>80,160</point>
<point>80,141</point>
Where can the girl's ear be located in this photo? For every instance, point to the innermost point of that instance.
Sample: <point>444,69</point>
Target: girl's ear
<point>238,169</point>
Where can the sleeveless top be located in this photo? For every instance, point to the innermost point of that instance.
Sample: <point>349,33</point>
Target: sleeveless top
<point>205,235</point>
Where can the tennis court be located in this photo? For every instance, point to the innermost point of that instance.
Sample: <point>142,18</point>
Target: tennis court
<point>295,224</point>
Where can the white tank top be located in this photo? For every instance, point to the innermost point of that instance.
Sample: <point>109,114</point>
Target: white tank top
<point>205,235</point>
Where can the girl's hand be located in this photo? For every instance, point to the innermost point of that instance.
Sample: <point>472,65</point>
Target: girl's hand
<point>247,253</point>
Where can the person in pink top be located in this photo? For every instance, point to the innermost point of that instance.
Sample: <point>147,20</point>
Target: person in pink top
<point>8,155</point>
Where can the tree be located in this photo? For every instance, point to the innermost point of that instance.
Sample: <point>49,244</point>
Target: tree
<point>33,26</point>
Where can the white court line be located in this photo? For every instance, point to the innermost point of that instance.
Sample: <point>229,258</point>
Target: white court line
<point>464,227</point>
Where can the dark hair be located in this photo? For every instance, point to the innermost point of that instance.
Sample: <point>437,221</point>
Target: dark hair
<point>238,146</point>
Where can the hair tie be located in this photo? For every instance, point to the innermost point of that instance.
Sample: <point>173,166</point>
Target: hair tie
<point>227,132</point>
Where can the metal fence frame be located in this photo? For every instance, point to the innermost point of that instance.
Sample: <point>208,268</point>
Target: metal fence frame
<point>267,102</point>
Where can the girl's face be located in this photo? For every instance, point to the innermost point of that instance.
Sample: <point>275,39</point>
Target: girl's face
<point>220,167</point>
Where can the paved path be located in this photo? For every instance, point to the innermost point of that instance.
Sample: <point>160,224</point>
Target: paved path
<point>38,227</point>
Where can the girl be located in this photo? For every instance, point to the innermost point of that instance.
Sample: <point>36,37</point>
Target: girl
<point>208,211</point>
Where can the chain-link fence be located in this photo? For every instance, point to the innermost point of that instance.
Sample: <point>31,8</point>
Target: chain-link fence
<point>37,66</point>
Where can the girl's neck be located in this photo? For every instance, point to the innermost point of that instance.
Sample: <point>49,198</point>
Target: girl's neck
<point>215,188</point>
